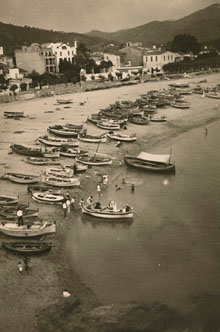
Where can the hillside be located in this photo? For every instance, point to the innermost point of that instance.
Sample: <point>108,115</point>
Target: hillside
<point>203,24</point>
<point>13,37</point>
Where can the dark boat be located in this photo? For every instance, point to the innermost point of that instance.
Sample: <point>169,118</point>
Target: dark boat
<point>18,114</point>
<point>62,131</point>
<point>26,247</point>
<point>12,213</point>
<point>41,161</point>
<point>6,200</point>
<point>33,152</point>
<point>139,120</point>
<point>151,162</point>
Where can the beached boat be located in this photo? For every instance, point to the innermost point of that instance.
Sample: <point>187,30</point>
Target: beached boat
<point>122,137</point>
<point>94,118</point>
<point>157,118</point>
<point>62,131</point>
<point>41,188</point>
<point>180,104</point>
<point>60,182</point>
<point>214,95</point>
<point>59,172</point>
<point>72,153</point>
<point>10,114</point>
<point>78,168</point>
<point>139,120</point>
<point>36,229</point>
<point>58,142</point>
<point>74,126</point>
<point>21,178</point>
<point>41,161</point>
<point>8,200</point>
<point>48,197</point>
<point>108,125</point>
<point>91,138</point>
<point>179,85</point>
<point>94,161</point>
<point>151,162</point>
<point>27,247</point>
<point>64,101</point>
<point>12,213</point>
<point>33,152</point>
<point>107,213</point>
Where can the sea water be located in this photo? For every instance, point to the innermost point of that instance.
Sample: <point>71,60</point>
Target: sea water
<point>170,252</point>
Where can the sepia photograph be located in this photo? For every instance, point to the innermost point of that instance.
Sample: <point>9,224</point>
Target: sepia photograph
<point>109,168</point>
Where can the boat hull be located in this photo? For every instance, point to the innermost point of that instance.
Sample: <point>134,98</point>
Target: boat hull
<point>29,248</point>
<point>107,214</point>
<point>149,166</point>
<point>23,231</point>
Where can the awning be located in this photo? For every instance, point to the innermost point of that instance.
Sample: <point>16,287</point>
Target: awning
<point>161,158</point>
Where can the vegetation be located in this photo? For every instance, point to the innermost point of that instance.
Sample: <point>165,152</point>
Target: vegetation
<point>185,43</point>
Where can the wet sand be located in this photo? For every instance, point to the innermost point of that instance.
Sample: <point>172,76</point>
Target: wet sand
<point>22,296</point>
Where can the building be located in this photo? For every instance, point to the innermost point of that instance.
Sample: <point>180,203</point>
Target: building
<point>131,56</point>
<point>62,51</point>
<point>114,58</point>
<point>133,44</point>
<point>154,60</point>
<point>1,50</point>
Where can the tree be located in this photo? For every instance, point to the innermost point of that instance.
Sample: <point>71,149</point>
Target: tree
<point>185,43</point>
<point>13,88</point>
<point>23,86</point>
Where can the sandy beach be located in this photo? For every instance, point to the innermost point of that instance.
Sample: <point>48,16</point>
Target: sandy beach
<point>23,297</point>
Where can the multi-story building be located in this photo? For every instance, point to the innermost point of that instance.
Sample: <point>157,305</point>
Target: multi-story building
<point>155,60</point>
<point>37,58</point>
<point>62,51</point>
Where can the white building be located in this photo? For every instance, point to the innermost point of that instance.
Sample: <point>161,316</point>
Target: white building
<point>1,50</point>
<point>156,59</point>
<point>63,51</point>
<point>114,58</point>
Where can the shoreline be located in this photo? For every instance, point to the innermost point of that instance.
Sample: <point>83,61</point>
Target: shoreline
<point>51,273</point>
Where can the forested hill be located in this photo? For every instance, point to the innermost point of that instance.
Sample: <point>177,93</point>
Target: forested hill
<point>203,24</point>
<point>13,37</point>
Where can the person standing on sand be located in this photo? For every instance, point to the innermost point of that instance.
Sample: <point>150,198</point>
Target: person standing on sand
<point>206,131</point>
<point>99,189</point>
<point>68,206</point>
<point>72,201</point>
<point>26,263</point>
<point>64,208</point>
<point>20,268</point>
<point>20,217</point>
<point>132,188</point>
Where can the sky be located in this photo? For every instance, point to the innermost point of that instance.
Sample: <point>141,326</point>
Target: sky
<point>86,15</point>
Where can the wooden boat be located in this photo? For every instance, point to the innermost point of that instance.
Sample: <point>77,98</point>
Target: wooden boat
<point>94,161</point>
<point>12,213</point>
<point>8,200</point>
<point>24,247</point>
<point>74,126</point>
<point>122,137</point>
<point>58,142</point>
<point>64,101</point>
<point>60,182</point>
<point>33,152</point>
<point>215,95</point>
<point>180,104</point>
<point>41,188</point>
<point>108,125</point>
<point>48,197</point>
<point>21,178</point>
<point>139,120</point>
<point>79,168</point>
<point>72,153</point>
<point>151,162</point>
<point>179,85</point>
<point>10,114</point>
<point>62,131</point>
<point>59,172</point>
<point>41,161</point>
<point>36,229</point>
<point>107,213</point>
<point>157,118</point>
<point>94,118</point>
<point>91,138</point>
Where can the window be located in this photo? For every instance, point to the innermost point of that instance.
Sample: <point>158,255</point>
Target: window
<point>68,53</point>
<point>63,47</point>
<point>164,58</point>
<point>146,59</point>
<point>168,57</point>
<point>156,58</point>
<point>151,59</point>
<point>60,53</point>
<point>171,57</point>
<point>72,53</point>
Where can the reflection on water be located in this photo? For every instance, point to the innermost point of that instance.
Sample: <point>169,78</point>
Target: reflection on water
<point>170,252</point>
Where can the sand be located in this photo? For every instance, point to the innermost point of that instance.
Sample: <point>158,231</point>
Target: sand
<point>22,296</point>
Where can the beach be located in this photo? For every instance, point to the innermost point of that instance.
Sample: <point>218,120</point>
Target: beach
<point>24,296</point>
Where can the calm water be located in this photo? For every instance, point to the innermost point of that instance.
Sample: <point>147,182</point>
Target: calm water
<point>171,251</point>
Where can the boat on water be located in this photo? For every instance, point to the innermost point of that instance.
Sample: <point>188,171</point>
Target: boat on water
<point>92,138</point>
<point>94,161</point>
<point>72,153</point>
<point>48,197</point>
<point>108,125</point>
<point>41,161</point>
<point>10,114</point>
<point>214,95</point>
<point>122,137</point>
<point>35,229</point>
<point>65,101</point>
<point>12,213</point>
<point>151,162</point>
<point>27,247</point>
<point>62,131</point>
<point>157,118</point>
<point>106,213</point>
<point>8,200</point>
<point>21,178</point>
<point>33,152</point>
<point>60,182</point>
<point>58,142</point>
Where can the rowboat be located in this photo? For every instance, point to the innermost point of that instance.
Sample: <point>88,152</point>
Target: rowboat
<point>122,137</point>
<point>12,213</point>
<point>24,248</point>
<point>8,200</point>
<point>10,114</point>
<point>94,118</point>
<point>41,161</point>
<point>21,178</point>
<point>157,118</point>
<point>48,197</point>
<point>108,125</point>
<point>79,168</point>
<point>41,188</point>
<point>180,104</point>
<point>62,131</point>
<point>139,120</point>
<point>58,142</point>
<point>72,153</point>
<point>59,172</point>
<point>60,182</point>
<point>64,101</point>
<point>94,161</point>
<point>74,126</point>
<point>36,229</point>
<point>91,139</point>
<point>151,162</point>
<point>179,85</point>
<point>215,95</point>
<point>107,213</point>
<point>33,152</point>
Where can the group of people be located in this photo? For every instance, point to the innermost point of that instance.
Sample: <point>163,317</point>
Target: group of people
<point>68,203</point>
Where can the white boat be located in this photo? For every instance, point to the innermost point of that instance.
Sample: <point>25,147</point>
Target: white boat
<point>60,182</point>
<point>107,213</point>
<point>180,104</point>
<point>72,153</point>
<point>122,137</point>
<point>64,101</point>
<point>21,178</point>
<point>41,161</point>
<point>215,95</point>
<point>62,131</point>
<point>58,142</point>
<point>157,118</point>
<point>48,197</point>
<point>94,161</point>
<point>91,138</point>
<point>12,229</point>
<point>108,125</point>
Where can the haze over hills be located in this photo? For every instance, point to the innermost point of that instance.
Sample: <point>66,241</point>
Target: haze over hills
<point>13,37</point>
<point>203,24</point>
